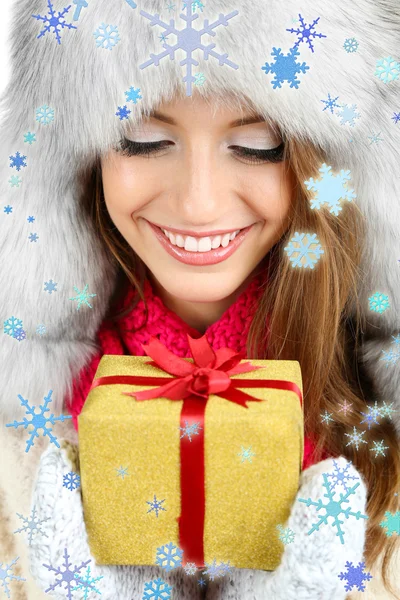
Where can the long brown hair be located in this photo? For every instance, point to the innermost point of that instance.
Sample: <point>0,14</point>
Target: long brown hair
<point>312,316</point>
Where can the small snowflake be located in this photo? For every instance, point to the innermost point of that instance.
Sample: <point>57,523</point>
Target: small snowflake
<point>375,138</point>
<point>350,45</point>
<point>67,575</point>
<point>348,114</point>
<point>12,325</point>
<point>156,589</point>
<point>29,138</point>
<point>396,117</point>
<point>133,95</point>
<point>379,448</point>
<point>345,407</point>
<point>387,411</point>
<point>38,421</point>
<point>373,414</point>
<point>19,335</point>
<point>213,570</point>
<point>387,69</point>
<point>306,253</point>
<point>326,418</point>
<point>33,237</point>
<point>50,286</point>
<point>4,575</point>
<point>41,329</point>
<point>355,576</point>
<point>246,454</point>
<point>45,115</point>
<point>330,103</point>
<point>82,297</point>
<point>286,535</point>
<point>123,112</point>
<point>122,471</point>
<point>391,357</point>
<point>79,5</point>
<point>285,68</point>
<point>54,21</point>
<point>155,505</point>
<point>30,219</point>
<point>189,430</point>
<point>330,189</point>
<point>379,302</point>
<point>170,6</point>
<point>18,161</point>
<point>163,38</point>
<point>169,557</point>
<point>305,33</point>
<point>32,524</point>
<point>71,481</point>
<point>391,523</point>
<point>199,79</point>
<point>86,584</point>
<point>355,438</point>
<point>190,568</point>
<point>107,36</point>
<point>8,209</point>
<point>340,476</point>
<point>15,180</point>
<point>201,582</point>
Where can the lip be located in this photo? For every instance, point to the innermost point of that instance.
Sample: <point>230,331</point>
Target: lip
<point>200,258</point>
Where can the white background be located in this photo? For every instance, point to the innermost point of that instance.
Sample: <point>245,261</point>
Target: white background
<point>4,43</point>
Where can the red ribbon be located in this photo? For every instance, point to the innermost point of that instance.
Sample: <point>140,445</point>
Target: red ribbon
<point>193,383</point>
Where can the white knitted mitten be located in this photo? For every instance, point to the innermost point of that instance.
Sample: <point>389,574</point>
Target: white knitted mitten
<point>67,540</point>
<point>311,563</point>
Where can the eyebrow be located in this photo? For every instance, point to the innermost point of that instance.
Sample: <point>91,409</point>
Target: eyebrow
<point>237,123</point>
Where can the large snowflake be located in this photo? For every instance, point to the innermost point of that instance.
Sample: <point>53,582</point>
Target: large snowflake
<point>387,69</point>
<point>4,575</point>
<point>304,250</point>
<point>189,40</point>
<point>169,556</point>
<point>333,509</point>
<point>330,189</point>
<point>348,114</point>
<point>68,575</point>
<point>54,21</point>
<point>157,590</point>
<point>355,576</point>
<point>38,421</point>
<point>32,525</point>
<point>305,33</point>
<point>285,68</point>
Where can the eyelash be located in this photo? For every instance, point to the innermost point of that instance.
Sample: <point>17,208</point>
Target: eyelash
<point>254,155</point>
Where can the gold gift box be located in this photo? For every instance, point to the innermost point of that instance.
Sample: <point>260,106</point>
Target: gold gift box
<point>246,498</point>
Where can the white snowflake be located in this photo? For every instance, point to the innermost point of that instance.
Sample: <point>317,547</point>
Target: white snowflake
<point>189,40</point>
<point>304,250</point>
<point>107,36</point>
<point>387,69</point>
<point>44,114</point>
<point>387,411</point>
<point>379,448</point>
<point>327,418</point>
<point>190,568</point>
<point>189,430</point>
<point>348,114</point>
<point>41,329</point>
<point>32,525</point>
<point>355,438</point>
<point>330,189</point>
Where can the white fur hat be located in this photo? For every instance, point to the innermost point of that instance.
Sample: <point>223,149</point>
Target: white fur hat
<point>75,75</point>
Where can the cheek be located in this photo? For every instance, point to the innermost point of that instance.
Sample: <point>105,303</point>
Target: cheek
<point>275,194</point>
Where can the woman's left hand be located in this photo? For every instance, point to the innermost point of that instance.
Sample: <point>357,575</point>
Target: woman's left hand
<point>311,564</point>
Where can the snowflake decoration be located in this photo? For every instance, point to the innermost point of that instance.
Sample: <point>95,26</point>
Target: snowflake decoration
<point>387,411</point>
<point>355,576</point>
<point>391,523</point>
<point>123,112</point>
<point>50,286</point>
<point>29,138</point>
<point>170,6</point>
<point>375,138</point>
<point>373,414</point>
<point>286,535</point>
<point>189,430</point>
<point>131,3</point>
<point>41,329</point>
<point>333,509</point>
<point>326,418</point>
<point>330,189</point>
<point>33,237</point>
<point>396,117</point>
<point>8,209</point>
<point>67,575</point>
<point>86,584</point>
<point>15,180</point>
<point>341,476</point>
<point>201,582</point>
<point>45,115</point>
<point>155,505</point>
<point>246,454</point>
<point>199,79</point>
<point>348,114</point>
<point>156,590</point>
<point>38,421</point>
<point>305,33</point>
<point>189,40</point>
<point>79,5</point>
<point>379,448</point>
<point>12,325</point>
<point>285,68</point>
<point>4,575</point>
<point>17,161</point>
<point>107,36</point>
<point>330,103</point>
<point>195,4</point>
<point>350,45</point>
<point>345,407</point>
<point>19,335</point>
<point>379,302</point>
<point>190,568</point>
<point>163,38</point>
<point>54,21</point>
<point>82,297</point>
<point>355,438</point>
<point>30,219</point>
<point>213,570</point>
<point>306,253</point>
<point>169,557</point>
<point>32,525</point>
<point>122,471</point>
<point>133,95</point>
<point>387,69</point>
<point>71,481</point>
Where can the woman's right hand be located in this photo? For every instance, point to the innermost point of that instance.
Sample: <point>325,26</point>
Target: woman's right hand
<point>60,514</point>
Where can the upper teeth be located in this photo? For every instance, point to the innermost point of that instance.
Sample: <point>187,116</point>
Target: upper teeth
<point>203,244</point>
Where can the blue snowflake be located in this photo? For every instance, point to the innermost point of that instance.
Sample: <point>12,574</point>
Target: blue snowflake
<point>71,481</point>
<point>379,448</point>
<point>350,45</point>
<point>387,411</point>
<point>391,357</point>
<point>87,584</point>
<point>133,95</point>
<point>201,582</point>
<point>29,138</point>
<point>12,325</point>
<point>391,523</point>
<point>156,590</point>
<point>82,297</point>
<point>341,476</point>
<point>33,237</point>
<point>188,40</point>
<point>170,6</point>
<point>195,4</point>
<point>44,114</point>
<point>131,3</point>
<point>327,418</point>
<point>79,5</point>
<point>122,471</point>
<point>375,139</point>
<point>15,180</point>
<point>379,302</point>
<point>189,430</point>
<point>54,21</point>
<point>387,69</point>
<point>355,576</point>
<point>123,112</point>
<point>286,535</point>
<point>333,509</point>
<point>50,286</point>
<point>355,438</point>
<point>330,103</point>
<point>30,219</point>
<point>305,33</point>
<point>41,329</point>
<point>373,414</point>
<point>32,525</point>
<point>285,68</point>
<point>330,189</point>
<point>4,576</point>
<point>246,454</point>
<point>19,335</point>
<point>18,161</point>
<point>68,576</point>
<point>396,117</point>
<point>107,36</point>
<point>308,251</point>
<point>199,79</point>
<point>8,209</point>
<point>348,114</point>
<point>169,556</point>
<point>38,421</point>
<point>155,505</point>
<point>213,570</point>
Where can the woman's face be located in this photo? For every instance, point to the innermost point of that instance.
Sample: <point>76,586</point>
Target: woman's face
<point>199,177</point>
